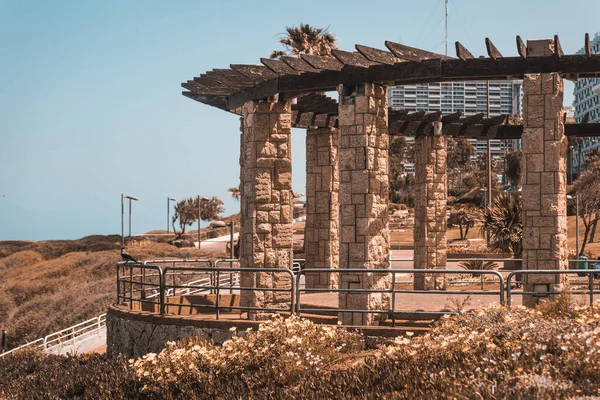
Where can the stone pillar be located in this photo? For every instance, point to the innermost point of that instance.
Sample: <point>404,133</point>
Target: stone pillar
<point>430,208</point>
<point>364,187</point>
<point>544,193</point>
<point>321,235</point>
<point>266,201</point>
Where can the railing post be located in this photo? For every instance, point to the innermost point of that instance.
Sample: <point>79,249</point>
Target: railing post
<point>393,298</point>
<point>217,300</point>
<point>508,298</point>
<point>118,285</point>
<point>162,276</point>
<point>591,287</point>
<point>130,287</point>
<point>292,291</point>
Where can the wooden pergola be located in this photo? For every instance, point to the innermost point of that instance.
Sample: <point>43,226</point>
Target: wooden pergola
<point>347,159</point>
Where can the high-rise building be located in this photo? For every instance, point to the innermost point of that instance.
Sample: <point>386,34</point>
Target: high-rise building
<point>470,98</point>
<point>586,100</point>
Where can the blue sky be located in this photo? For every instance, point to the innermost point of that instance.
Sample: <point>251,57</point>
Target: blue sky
<point>91,104</point>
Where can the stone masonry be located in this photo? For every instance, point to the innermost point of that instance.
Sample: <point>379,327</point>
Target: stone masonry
<point>430,207</point>
<point>544,177</point>
<point>266,201</point>
<point>321,237</point>
<point>364,187</point>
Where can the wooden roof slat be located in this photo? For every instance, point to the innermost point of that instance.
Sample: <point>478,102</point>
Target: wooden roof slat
<point>492,51</point>
<point>462,52</point>
<point>323,62</point>
<point>416,116</point>
<point>377,55</point>
<point>521,48</point>
<point>353,59</point>
<point>473,119</point>
<point>231,77</point>
<point>408,53</point>
<point>497,120</point>
<point>278,66</point>
<point>299,64</point>
<point>203,90</point>
<point>450,118</point>
<point>586,118</point>
<point>255,72</point>
<point>587,46</point>
<point>557,47</point>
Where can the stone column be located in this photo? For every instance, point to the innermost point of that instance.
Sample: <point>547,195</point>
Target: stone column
<point>364,187</point>
<point>430,208</point>
<point>266,201</point>
<point>544,193</point>
<point>321,235</point>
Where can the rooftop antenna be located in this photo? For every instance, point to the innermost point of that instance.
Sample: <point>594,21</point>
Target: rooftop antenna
<point>446,39</point>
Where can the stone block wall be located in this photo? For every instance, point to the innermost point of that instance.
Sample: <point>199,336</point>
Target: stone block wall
<point>321,237</point>
<point>544,176</point>
<point>364,187</point>
<point>430,208</point>
<point>266,200</point>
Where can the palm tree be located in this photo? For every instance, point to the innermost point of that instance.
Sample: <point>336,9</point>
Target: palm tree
<point>504,222</point>
<point>235,192</point>
<point>478,265</point>
<point>305,39</point>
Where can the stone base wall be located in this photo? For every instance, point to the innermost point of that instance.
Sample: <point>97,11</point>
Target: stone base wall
<point>430,210</point>
<point>321,235</point>
<point>364,187</point>
<point>266,200</point>
<point>134,334</point>
<point>544,183</point>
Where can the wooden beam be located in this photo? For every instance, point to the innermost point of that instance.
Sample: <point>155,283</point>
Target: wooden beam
<point>323,62</point>
<point>492,51</point>
<point>377,55</point>
<point>408,53</point>
<point>462,52</point>
<point>587,46</point>
<point>521,47</point>
<point>586,118</point>
<point>498,120</point>
<point>425,71</point>
<point>557,47</point>
<point>353,59</point>
<point>582,130</point>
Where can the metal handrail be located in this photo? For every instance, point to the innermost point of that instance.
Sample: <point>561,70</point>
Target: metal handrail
<point>392,290</point>
<point>71,333</point>
<point>589,272</point>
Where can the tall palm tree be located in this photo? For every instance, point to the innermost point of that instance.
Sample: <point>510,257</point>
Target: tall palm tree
<point>235,192</point>
<point>306,39</point>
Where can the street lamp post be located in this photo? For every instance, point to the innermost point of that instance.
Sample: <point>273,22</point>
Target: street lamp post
<point>169,200</point>
<point>129,197</point>
<point>200,200</point>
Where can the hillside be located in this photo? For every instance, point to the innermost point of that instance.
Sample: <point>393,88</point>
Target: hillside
<point>51,285</point>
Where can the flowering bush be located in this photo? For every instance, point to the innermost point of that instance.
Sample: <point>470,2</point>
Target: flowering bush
<point>282,353</point>
<point>545,353</point>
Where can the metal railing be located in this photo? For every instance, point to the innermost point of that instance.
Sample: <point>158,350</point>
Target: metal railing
<point>591,275</point>
<point>392,291</point>
<point>216,287</point>
<point>69,336</point>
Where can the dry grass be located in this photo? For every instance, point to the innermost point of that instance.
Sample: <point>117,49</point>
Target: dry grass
<point>49,286</point>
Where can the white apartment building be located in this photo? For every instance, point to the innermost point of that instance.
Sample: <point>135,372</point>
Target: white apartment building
<point>587,100</point>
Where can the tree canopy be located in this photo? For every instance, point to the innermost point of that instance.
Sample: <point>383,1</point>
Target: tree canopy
<point>305,39</point>
<point>186,212</point>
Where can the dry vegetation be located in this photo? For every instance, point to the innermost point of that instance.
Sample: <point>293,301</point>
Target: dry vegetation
<point>552,352</point>
<point>48,286</point>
